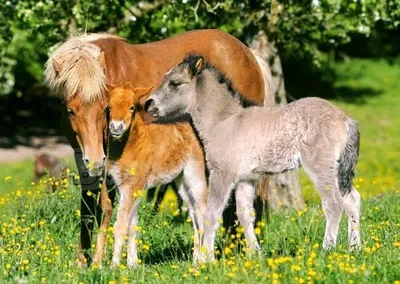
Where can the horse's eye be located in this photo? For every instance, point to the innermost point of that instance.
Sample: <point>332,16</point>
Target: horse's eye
<point>175,84</point>
<point>70,112</point>
<point>107,109</point>
<point>132,108</point>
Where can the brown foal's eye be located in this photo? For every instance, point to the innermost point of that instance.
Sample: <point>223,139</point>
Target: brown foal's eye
<point>70,112</point>
<point>107,109</point>
<point>132,108</point>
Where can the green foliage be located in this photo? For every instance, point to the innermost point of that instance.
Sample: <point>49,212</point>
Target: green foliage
<point>300,28</point>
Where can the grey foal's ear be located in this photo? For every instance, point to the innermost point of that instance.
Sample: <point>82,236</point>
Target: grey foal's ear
<point>196,65</point>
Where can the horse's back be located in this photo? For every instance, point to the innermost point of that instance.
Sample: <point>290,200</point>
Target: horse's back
<point>146,64</point>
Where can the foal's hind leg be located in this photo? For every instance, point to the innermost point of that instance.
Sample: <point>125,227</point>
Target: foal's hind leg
<point>352,204</point>
<point>326,181</point>
<point>220,188</point>
<point>245,194</point>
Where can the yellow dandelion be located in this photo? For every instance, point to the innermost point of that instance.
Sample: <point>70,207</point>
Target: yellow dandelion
<point>78,212</point>
<point>6,179</point>
<point>257,231</point>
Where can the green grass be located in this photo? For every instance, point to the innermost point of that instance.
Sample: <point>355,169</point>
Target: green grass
<point>20,174</point>
<point>39,231</point>
<point>375,104</point>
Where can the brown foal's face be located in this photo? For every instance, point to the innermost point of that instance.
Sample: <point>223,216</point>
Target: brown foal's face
<point>123,107</point>
<point>89,123</point>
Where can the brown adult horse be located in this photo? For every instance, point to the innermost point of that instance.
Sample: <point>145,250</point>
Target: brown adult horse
<point>80,68</point>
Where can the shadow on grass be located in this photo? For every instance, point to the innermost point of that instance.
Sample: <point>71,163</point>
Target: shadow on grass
<point>302,79</point>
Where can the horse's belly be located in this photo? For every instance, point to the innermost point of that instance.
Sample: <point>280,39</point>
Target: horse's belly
<point>165,177</point>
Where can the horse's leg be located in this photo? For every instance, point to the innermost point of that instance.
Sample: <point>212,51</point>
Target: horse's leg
<point>220,188</point>
<point>107,202</point>
<point>194,191</point>
<point>132,247</point>
<point>352,204</point>
<point>121,226</point>
<point>324,175</point>
<point>90,209</point>
<point>245,194</point>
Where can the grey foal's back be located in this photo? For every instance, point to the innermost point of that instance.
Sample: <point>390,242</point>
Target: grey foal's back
<point>243,143</point>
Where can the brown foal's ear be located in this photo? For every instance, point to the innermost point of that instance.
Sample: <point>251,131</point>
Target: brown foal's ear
<point>141,95</point>
<point>196,65</point>
<point>102,60</point>
<point>110,87</point>
<point>142,91</point>
<point>57,66</point>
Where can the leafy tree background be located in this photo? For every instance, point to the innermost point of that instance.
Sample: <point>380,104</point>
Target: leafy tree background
<point>301,29</point>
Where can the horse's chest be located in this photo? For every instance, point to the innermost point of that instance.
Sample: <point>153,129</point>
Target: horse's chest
<point>114,170</point>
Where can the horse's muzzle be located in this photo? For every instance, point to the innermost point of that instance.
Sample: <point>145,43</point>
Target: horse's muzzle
<point>151,109</point>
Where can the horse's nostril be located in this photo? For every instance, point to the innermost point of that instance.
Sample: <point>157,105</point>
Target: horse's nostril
<point>148,104</point>
<point>120,127</point>
<point>86,161</point>
<point>112,126</point>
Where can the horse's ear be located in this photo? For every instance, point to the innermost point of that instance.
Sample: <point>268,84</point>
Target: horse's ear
<point>57,66</point>
<point>196,65</point>
<point>102,60</point>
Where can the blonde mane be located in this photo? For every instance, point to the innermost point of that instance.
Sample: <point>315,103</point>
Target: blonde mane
<point>79,68</point>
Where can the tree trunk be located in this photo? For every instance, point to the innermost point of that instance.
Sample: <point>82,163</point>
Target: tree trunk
<point>284,189</point>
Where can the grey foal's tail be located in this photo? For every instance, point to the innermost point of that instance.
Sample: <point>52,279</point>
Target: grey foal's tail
<point>349,158</point>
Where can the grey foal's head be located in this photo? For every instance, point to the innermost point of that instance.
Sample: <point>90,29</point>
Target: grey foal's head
<point>177,89</point>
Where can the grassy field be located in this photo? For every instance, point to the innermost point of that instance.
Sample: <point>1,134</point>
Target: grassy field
<point>39,231</point>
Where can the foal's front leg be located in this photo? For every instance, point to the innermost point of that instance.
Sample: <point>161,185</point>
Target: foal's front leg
<point>245,194</point>
<point>220,187</point>
<point>194,191</point>
<point>132,247</point>
<point>107,203</point>
<point>126,201</point>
